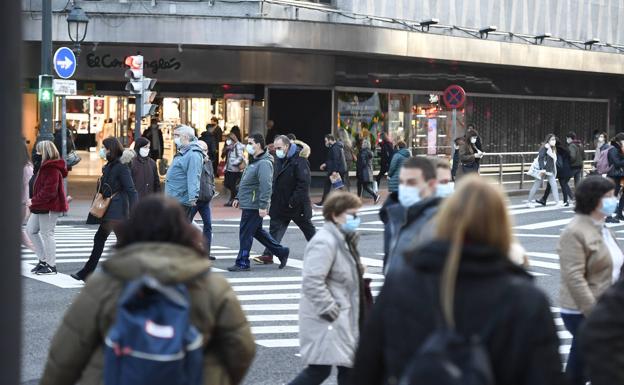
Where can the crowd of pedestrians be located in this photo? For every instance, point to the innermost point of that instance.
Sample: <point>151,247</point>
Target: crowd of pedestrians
<point>455,278</point>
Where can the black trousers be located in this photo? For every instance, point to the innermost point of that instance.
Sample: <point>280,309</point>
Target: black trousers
<point>316,374</point>
<point>278,227</point>
<point>328,185</point>
<point>366,186</point>
<point>565,189</point>
<point>382,171</point>
<point>99,240</point>
<point>231,181</point>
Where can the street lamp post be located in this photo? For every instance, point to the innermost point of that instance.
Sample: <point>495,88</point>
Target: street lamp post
<point>77,23</point>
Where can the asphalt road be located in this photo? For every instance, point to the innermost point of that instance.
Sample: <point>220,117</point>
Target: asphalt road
<point>269,296</point>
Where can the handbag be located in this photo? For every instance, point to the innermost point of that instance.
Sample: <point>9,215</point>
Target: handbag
<point>72,159</point>
<point>221,168</point>
<point>336,181</point>
<point>100,203</point>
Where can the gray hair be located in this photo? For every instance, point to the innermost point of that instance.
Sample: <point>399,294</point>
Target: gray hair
<point>185,130</point>
<point>282,138</point>
<point>366,143</point>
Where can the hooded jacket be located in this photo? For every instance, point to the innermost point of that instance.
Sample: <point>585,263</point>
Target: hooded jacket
<point>77,354</point>
<point>182,183</point>
<point>491,293</point>
<point>256,185</point>
<point>395,167</point>
<point>305,149</point>
<point>291,187</point>
<point>49,190</point>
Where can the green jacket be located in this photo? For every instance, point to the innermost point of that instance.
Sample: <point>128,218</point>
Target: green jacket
<point>256,185</point>
<point>77,350</point>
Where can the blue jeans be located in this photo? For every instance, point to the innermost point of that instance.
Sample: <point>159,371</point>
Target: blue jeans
<point>575,368</point>
<point>250,228</point>
<point>204,211</point>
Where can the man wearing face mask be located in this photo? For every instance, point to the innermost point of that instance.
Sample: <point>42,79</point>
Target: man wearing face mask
<point>335,164</point>
<point>183,176</point>
<point>254,197</point>
<point>406,212</point>
<point>144,171</point>
<point>291,195</point>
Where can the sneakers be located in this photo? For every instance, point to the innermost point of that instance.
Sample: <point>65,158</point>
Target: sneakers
<point>531,204</point>
<point>236,268</point>
<point>284,258</point>
<point>76,277</point>
<point>541,202</point>
<point>46,270</point>
<point>39,266</point>
<point>211,258</point>
<point>263,260</point>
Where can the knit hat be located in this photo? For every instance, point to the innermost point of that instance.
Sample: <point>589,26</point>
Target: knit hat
<point>141,142</point>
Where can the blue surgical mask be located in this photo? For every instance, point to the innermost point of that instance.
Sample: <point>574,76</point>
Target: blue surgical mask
<point>280,154</point>
<point>352,224</point>
<point>250,149</point>
<point>409,195</point>
<point>177,142</point>
<point>102,153</point>
<point>445,190</point>
<point>609,205</point>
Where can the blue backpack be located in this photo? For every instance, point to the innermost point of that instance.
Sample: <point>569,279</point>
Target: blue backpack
<point>152,341</point>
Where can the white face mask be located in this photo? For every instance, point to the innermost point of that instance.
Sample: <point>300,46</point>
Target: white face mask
<point>569,140</point>
<point>601,139</point>
<point>228,142</point>
<point>144,152</point>
<point>473,140</point>
<point>280,154</point>
<point>250,149</point>
<point>177,142</point>
<point>409,195</point>
<point>552,143</point>
<point>445,190</point>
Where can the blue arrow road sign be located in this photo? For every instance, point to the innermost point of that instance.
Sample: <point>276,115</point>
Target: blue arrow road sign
<point>64,62</point>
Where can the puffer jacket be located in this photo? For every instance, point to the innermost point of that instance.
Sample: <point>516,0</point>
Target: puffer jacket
<point>183,175</point>
<point>256,185</point>
<point>49,190</point>
<point>305,149</point>
<point>395,167</point>
<point>77,349</point>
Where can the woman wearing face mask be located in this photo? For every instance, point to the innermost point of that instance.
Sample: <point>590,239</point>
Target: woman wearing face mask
<point>332,302</point>
<point>364,171</point>
<point>144,171</point>
<point>234,165</point>
<point>469,153</point>
<point>547,169</point>
<point>116,183</point>
<point>601,145</point>
<point>564,173</point>
<point>616,172</point>
<point>590,259</point>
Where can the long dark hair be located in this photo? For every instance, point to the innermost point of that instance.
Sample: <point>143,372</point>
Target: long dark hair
<point>159,219</point>
<point>114,147</point>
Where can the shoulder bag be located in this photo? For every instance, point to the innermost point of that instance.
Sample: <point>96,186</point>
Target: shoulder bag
<point>100,203</point>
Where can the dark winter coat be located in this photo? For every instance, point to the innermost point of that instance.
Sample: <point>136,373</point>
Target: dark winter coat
<point>116,180</point>
<point>386,152</point>
<point>404,228</point>
<point>602,338</point>
<point>364,167</point>
<point>291,187</point>
<point>58,141</point>
<point>209,139</point>
<point>49,190</point>
<point>76,353</point>
<point>616,160</point>
<point>148,134</point>
<point>145,176</point>
<point>577,154</point>
<point>564,168</point>
<point>490,289</point>
<point>335,159</point>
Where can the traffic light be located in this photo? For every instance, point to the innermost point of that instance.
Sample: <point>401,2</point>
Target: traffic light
<point>134,74</point>
<point>46,88</point>
<point>148,97</point>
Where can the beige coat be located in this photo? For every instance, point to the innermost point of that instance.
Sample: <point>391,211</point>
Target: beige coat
<point>77,350</point>
<point>586,264</point>
<point>330,279</point>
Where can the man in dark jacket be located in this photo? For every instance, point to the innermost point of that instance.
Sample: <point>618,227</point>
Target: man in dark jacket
<point>406,213</point>
<point>577,156</point>
<point>386,151</point>
<point>155,136</point>
<point>290,200</point>
<point>602,338</point>
<point>616,173</point>
<point>208,137</point>
<point>334,164</point>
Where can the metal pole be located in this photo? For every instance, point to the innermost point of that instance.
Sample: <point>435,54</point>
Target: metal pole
<point>500,169</point>
<point>45,109</point>
<point>137,116</point>
<point>454,131</point>
<point>11,171</point>
<point>521,171</point>
<point>64,135</point>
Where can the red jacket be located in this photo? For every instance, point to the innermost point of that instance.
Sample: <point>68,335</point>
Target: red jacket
<point>49,191</point>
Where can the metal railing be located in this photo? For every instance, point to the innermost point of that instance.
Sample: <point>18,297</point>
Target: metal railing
<point>510,165</point>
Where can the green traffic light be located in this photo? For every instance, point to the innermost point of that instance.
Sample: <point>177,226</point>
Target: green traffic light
<point>45,95</point>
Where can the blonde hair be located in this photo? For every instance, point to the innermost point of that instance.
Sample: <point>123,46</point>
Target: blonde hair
<point>47,150</point>
<point>475,213</point>
<point>338,202</point>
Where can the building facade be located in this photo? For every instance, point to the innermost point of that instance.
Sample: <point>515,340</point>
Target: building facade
<point>366,66</point>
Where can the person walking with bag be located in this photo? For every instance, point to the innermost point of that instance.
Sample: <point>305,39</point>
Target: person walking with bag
<point>116,186</point>
<point>590,260</point>
<point>364,172</point>
<point>335,166</point>
<point>469,154</point>
<point>545,166</point>
<point>577,157</point>
<point>349,154</point>
<point>459,287</point>
<point>156,241</point>
<point>564,173</point>
<point>144,170</point>
<point>234,165</point>
<point>333,307</point>
<point>46,205</point>
<point>206,193</point>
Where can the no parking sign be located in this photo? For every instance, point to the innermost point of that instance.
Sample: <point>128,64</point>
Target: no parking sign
<point>454,97</point>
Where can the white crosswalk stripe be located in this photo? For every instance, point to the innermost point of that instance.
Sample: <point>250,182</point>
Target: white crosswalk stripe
<point>270,303</point>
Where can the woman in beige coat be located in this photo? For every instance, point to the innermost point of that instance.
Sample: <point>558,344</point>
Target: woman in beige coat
<point>590,261</point>
<point>332,301</point>
<point>157,241</point>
